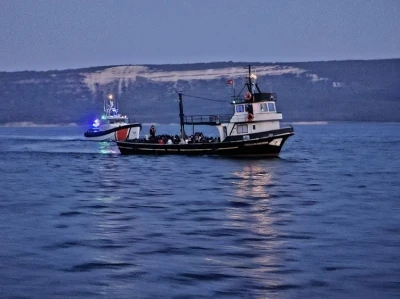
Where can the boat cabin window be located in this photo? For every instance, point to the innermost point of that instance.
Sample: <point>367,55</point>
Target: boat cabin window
<point>265,107</point>
<point>271,107</point>
<point>242,129</point>
<point>114,121</point>
<point>239,108</point>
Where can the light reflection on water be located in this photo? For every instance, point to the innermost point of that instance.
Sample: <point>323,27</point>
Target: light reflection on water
<point>108,147</point>
<point>253,181</point>
<point>251,188</point>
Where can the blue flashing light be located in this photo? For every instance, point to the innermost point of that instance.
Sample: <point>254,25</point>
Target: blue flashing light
<point>96,123</point>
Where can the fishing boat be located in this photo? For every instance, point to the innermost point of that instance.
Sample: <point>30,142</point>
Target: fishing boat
<point>112,126</point>
<point>253,130</point>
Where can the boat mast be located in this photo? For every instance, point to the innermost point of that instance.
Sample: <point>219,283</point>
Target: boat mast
<point>108,104</point>
<point>250,86</point>
<point>105,105</point>
<point>183,135</point>
<point>250,83</point>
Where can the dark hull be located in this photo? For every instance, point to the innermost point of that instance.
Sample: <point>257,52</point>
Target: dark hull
<point>267,146</point>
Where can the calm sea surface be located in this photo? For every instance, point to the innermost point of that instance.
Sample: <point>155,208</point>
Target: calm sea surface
<point>78,220</point>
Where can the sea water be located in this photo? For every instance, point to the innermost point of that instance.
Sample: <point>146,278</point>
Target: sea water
<point>78,220</point>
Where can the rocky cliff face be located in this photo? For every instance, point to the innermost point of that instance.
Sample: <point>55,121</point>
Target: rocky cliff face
<point>313,91</point>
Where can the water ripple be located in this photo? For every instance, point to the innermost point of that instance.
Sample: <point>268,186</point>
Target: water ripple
<point>81,221</point>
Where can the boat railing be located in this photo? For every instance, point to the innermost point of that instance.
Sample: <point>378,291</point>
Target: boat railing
<point>206,119</point>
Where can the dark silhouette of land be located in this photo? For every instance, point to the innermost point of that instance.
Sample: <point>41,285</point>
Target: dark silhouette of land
<point>362,90</point>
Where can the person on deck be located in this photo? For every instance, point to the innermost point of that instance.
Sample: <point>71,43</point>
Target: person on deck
<point>152,132</point>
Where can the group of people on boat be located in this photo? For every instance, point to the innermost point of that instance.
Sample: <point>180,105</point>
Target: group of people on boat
<point>198,137</point>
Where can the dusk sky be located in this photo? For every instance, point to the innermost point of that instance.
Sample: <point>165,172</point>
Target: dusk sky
<point>65,34</point>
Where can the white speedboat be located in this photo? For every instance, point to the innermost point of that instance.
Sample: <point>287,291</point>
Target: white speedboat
<point>112,126</point>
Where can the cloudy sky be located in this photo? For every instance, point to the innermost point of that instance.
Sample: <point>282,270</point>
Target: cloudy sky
<point>64,34</point>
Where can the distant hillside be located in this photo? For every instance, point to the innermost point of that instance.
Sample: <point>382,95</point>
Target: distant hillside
<point>308,91</point>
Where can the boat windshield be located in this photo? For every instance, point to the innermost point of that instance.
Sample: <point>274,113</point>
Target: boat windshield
<point>118,120</point>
